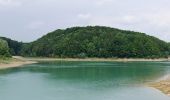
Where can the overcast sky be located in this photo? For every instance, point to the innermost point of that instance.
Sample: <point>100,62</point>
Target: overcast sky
<point>27,20</point>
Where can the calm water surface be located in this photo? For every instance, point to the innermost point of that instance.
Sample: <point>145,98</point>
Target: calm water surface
<point>83,81</point>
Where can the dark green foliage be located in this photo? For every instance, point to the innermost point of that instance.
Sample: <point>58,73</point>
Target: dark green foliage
<point>4,49</point>
<point>97,42</point>
<point>15,47</point>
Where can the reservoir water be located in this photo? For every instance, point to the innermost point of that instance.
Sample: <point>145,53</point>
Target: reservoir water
<point>83,81</point>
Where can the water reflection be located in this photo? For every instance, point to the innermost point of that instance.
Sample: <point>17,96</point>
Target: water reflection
<point>115,72</point>
<point>82,81</point>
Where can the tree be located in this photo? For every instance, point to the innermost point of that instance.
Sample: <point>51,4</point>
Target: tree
<point>4,49</point>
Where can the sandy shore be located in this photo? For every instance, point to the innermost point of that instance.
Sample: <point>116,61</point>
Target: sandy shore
<point>15,62</point>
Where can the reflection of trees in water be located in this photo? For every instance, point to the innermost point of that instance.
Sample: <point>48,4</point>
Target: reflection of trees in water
<point>97,71</point>
<point>101,72</point>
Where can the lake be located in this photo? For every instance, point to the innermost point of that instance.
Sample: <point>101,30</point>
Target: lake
<point>83,81</point>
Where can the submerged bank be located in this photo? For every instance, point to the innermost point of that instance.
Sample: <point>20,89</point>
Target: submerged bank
<point>162,85</point>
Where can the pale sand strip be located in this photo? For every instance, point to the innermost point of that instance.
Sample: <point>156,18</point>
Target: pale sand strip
<point>96,59</point>
<point>15,62</point>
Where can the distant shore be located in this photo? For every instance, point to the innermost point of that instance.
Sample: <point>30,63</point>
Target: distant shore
<point>96,59</point>
<point>18,61</point>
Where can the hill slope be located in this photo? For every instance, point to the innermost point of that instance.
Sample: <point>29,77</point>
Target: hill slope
<point>97,42</point>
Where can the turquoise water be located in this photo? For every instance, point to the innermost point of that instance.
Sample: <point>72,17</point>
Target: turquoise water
<point>83,81</point>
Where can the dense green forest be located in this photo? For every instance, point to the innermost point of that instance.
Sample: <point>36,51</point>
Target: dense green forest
<point>104,42</point>
<point>4,49</point>
<point>14,46</point>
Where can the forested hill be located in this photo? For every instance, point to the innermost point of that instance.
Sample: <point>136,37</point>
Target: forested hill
<point>97,42</point>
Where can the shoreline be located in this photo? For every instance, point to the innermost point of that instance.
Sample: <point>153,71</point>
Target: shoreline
<point>14,62</point>
<point>17,61</point>
<point>97,59</point>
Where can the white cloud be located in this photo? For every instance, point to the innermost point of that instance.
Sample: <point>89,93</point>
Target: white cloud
<point>10,3</point>
<point>129,18</point>
<point>35,25</point>
<point>84,16</point>
<point>102,2</point>
<point>159,19</point>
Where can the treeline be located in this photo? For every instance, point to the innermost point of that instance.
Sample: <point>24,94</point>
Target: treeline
<point>104,42</point>
<point>4,49</point>
<point>14,46</point>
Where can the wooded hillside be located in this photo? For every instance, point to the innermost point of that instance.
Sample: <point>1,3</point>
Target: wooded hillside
<point>97,42</point>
